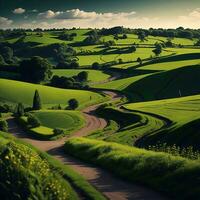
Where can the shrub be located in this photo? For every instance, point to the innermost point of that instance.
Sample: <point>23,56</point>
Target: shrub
<point>19,110</point>
<point>73,104</point>
<point>95,65</point>
<point>3,125</point>
<point>33,121</point>
<point>58,131</point>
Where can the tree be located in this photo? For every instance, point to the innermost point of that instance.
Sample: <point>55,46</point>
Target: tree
<point>19,110</point>
<point>3,125</point>
<point>158,49</point>
<point>73,104</point>
<point>35,70</point>
<point>33,121</point>
<point>37,105</point>
<point>95,65</point>
<point>82,76</point>
<point>139,60</point>
<point>141,36</point>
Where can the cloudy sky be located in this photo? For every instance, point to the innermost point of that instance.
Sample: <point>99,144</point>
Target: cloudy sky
<point>97,14</point>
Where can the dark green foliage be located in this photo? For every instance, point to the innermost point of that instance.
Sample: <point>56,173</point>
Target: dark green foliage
<point>33,121</point>
<point>66,36</point>
<point>58,131</point>
<point>82,76</point>
<point>19,110</point>
<point>3,125</point>
<point>109,43</point>
<point>5,108</point>
<point>141,36</point>
<point>64,52</point>
<point>158,49</point>
<point>2,61</point>
<point>139,60</point>
<point>73,104</point>
<point>7,53</point>
<point>95,65</point>
<point>35,70</point>
<point>37,104</point>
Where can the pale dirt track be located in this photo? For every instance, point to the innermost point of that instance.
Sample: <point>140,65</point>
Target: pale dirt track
<point>112,187</point>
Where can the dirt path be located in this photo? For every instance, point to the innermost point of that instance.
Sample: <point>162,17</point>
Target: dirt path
<point>110,186</point>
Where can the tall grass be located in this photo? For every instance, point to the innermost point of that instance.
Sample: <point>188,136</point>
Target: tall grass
<point>173,175</point>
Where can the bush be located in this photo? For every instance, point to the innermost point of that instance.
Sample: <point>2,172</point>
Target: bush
<point>26,175</point>
<point>58,131</point>
<point>33,121</point>
<point>73,104</point>
<point>95,65</point>
<point>5,108</point>
<point>3,125</point>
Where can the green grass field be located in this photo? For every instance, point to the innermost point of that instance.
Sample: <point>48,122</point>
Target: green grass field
<point>15,91</point>
<point>184,113</point>
<point>93,75</point>
<point>69,121</point>
<point>175,176</point>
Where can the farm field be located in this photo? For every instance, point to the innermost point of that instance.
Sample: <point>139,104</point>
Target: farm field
<point>93,75</point>
<point>69,121</point>
<point>119,99</point>
<point>16,91</point>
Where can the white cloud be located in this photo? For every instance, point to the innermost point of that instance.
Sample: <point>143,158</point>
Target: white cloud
<point>5,22</point>
<point>19,11</point>
<point>191,19</point>
<point>80,14</point>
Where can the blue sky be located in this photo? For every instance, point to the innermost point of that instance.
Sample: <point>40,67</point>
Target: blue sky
<point>104,13</point>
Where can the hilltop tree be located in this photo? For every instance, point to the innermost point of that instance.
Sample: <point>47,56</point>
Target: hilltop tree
<point>37,105</point>
<point>35,70</point>
<point>7,53</point>
<point>82,76</point>
<point>141,36</point>
<point>158,49</point>
<point>73,104</point>
<point>139,60</point>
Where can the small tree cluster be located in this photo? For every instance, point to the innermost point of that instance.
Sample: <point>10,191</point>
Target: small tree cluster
<point>33,121</point>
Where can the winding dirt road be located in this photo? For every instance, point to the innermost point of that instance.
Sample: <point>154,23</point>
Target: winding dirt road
<point>113,188</point>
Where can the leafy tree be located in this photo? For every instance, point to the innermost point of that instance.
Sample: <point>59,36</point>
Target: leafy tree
<point>95,65</point>
<point>158,49</point>
<point>33,121</point>
<point>37,105</point>
<point>82,76</point>
<point>139,60</point>
<point>141,36</point>
<point>35,70</point>
<point>73,104</point>
<point>3,125</point>
<point>19,111</point>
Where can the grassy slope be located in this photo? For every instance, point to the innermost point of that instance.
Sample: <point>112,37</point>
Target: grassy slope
<point>15,91</point>
<point>26,175</point>
<point>88,191</point>
<point>174,176</point>
<point>69,121</point>
<point>132,126</point>
<point>183,112</point>
<point>93,75</point>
